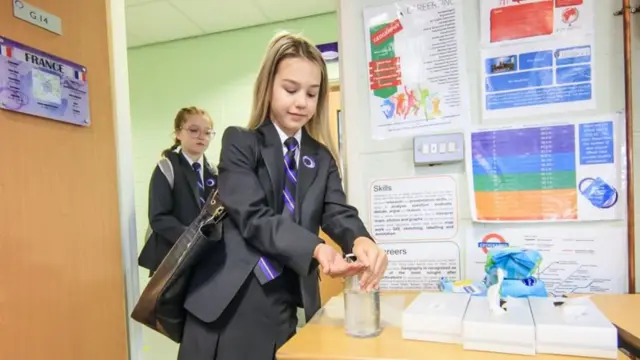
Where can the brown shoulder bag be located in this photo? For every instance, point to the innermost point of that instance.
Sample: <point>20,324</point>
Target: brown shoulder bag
<point>161,304</point>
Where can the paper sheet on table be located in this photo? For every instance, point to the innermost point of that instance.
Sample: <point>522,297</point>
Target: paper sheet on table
<point>391,308</point>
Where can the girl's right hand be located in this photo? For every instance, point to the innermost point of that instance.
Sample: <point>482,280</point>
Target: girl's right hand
<point>333,264</point>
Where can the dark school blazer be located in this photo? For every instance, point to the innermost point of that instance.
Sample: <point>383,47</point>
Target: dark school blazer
<point>251,178</point>
<point>172,210</point>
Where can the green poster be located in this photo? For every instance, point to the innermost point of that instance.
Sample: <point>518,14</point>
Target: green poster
<point>383,51</point>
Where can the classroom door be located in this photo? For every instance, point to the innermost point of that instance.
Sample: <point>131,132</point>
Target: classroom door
<point>330,287</point>
<point>62,279</point>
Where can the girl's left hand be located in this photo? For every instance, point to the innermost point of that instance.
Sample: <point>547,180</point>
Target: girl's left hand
<point>374,258</point>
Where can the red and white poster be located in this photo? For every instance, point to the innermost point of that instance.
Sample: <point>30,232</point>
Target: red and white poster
<point>505,21</point>
<point>417,68</point>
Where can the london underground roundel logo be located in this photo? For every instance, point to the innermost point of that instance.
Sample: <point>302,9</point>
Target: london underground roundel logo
<point>492,240</point>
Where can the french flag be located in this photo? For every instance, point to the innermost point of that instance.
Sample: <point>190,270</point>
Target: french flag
<point>5,51</point>
<point>80,76</point>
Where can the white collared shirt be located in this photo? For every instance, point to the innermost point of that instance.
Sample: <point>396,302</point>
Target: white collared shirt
<point>199,161</point>
<point>284,137</point>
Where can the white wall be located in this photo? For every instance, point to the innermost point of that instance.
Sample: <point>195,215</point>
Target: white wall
<point>368,159</point>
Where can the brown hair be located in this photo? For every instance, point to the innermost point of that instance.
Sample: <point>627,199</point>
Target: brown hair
<point>283,46</point>
<point>178,122</point>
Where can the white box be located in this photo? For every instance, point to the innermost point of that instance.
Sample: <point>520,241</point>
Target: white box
<point>575,328</point>
<point>435,317</point>
<point>512,332</point>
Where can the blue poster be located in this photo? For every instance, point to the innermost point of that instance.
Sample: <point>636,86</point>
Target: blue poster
<point>533,79</point>
<point>560,172</point>
<point>36,83</point>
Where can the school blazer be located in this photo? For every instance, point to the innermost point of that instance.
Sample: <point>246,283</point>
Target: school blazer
<point>251,178</point>
<point>172,210</point>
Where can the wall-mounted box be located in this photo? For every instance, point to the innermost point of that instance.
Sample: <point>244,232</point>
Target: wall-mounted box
<point>438,148</point>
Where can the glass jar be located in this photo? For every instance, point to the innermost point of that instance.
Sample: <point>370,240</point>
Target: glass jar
<point>361,307</point>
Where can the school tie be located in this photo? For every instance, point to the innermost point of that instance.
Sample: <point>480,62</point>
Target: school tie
<point>265,271</point>
<point>290,179</point>
<point>196,167</point>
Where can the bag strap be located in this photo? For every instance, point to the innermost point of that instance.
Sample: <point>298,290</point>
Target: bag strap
<point>167,169</point>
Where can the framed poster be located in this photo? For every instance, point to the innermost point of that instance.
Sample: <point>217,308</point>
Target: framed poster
<point>37,83</point>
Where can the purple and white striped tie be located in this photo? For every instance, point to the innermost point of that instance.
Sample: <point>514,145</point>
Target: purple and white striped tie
<point>196,167</point>
<point>264,270</point>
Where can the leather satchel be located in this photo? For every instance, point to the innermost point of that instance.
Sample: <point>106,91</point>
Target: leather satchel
<point>161,304</point>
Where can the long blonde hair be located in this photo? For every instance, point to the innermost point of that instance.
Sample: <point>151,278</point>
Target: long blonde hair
<point>283,46</point>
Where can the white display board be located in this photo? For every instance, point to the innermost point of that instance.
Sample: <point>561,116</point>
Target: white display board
<point>590,61</point>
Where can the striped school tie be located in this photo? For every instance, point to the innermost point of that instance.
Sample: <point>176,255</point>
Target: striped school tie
<point>196,167</point>
<point>264,270</point>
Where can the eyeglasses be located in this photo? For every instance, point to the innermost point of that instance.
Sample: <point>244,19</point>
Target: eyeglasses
<point>195,132</point>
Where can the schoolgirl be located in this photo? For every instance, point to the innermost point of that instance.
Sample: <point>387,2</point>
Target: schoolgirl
<point>175,200</point>
<point>280,184</point>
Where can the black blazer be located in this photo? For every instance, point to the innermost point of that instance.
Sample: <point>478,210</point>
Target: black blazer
<point>172,210</point>
<point>250,187</point>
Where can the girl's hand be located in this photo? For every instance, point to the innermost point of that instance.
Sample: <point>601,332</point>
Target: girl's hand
<point>333,264</point>
<point>374,258</point>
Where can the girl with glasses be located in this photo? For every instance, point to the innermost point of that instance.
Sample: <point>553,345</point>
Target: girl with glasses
<point>172,207</point>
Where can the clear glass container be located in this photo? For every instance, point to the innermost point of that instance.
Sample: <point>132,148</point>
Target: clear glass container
<point>361,308</point>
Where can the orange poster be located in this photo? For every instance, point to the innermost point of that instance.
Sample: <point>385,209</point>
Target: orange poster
<point>527,20</point>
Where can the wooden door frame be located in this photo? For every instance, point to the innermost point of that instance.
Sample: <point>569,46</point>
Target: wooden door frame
<point>333,86</point>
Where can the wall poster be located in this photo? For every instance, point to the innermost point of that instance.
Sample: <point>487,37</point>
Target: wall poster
<point>537,56</point>
<point>563,172</point>
<point>417,68</point>
<point>40,84</point>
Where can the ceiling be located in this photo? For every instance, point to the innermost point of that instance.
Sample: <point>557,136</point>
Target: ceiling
<point>154,21</point>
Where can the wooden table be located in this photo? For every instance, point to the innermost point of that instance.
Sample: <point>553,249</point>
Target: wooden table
<point>324,339</point>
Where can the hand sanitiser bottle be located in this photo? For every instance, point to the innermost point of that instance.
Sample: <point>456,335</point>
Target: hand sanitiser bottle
<point>361,307</point>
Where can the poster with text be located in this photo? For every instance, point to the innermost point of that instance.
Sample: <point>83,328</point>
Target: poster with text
<point>564,172</point>
<point>575,259</point>
<point>414,208</point>
<point>508,21</point>
<point>419,266</point>
<point>417,72</point>
<point>37,83</point>
<point>538,78</point>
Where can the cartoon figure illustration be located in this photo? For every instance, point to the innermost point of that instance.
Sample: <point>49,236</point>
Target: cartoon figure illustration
<point>435,101</point>
<point>413,105</point>
<point>388,108</point>
<point>409,102</point>
<point>400,104</point>
<point>431,104</point>
<point>424,95</point>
